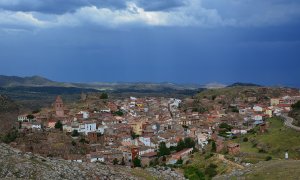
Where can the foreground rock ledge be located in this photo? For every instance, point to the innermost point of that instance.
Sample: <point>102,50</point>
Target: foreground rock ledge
<point>15,164</point>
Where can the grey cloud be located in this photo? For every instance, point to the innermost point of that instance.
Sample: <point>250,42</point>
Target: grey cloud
<point>159,5</point>
<point>57,6</point>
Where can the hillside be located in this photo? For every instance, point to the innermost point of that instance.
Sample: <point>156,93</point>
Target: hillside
<point>239,84</point>
<point>279,169</point>
<point>8,113</point>
<point>295,113</point>
<point>12,81</point>
<point>14,164</point>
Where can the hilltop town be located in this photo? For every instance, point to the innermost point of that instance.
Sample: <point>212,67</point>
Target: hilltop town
<point>154,131</point>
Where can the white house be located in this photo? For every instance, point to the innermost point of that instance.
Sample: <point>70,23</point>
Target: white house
<point>22,118</point>
<point>257,108</point>
<point>202,140</point>
<point>97,158</point>
<point>36,126</point>
<point>87,127</point>
<point>145,140</point>
<point>85,114</point>
<point>67,128</point>
<point>257,117</point>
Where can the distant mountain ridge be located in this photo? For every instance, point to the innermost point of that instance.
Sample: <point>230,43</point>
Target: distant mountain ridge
<point>244,85</point>
<point>12,81</point>
<point>38,81</point>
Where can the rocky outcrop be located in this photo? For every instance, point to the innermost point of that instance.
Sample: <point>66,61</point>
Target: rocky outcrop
<point>165,173</point>
<point>15,164</point>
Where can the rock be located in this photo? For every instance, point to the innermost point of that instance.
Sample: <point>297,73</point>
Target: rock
<point>14,165</point>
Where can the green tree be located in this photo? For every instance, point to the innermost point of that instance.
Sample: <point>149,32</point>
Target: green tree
<point>115,161</point>
<point>123,162</point>
<point>137,162</point>
<point>189,143</point>
<point>58,125</point>
<point>211,170</point>
<point>193,173</point>
<point>180,145</point>
<point>30,116</point>
<point>133,135</point>
<point>10,136</point>
<point>36,111</point>
<point>213,146</point>
<point>179,161</point>
<point>104,96</point>
<point>225,126</point>
<point>118,113</point>
<point>163,150</point>
<point>75,133</point>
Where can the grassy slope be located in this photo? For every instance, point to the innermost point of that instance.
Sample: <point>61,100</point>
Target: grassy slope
<point>279,169</point>
<point>278,139</point>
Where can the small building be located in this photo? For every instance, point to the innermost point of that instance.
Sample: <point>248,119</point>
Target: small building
<point>233,148</point>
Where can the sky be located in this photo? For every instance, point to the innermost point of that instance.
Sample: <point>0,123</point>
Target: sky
<point>179,41</point>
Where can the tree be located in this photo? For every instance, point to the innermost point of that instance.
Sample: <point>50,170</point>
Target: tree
<point>75,133</point>
<point>137,162</point>
<point>163,150</point>
<point>180,161</point>
<point>36,111</point>
<point>123,162</point>
<point>118,113</point>
<point>133,135</point>
<point>58,125</point>
<point>104,96</point>
<point>30,116</point>
<point>115,161</point>
<point>211,170</point>
<point>213,146</point>
<point>193,173</point>
<point>225,126</point>
<point>180,145</point>
<point>10,136</point>
<point>189,143</point>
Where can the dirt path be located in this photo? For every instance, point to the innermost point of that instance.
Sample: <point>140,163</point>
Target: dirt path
<point>288,122</point>
<point>222,158</point>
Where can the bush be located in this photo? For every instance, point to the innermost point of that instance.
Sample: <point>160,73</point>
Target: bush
<point>209,156</point>
<point>104,96</point>
<point>10,136</point>
<point>58,125</point>
<point>268,158</point>
<point>137,162</point>
<point>115,161</point>
<point>213,146</point>
<point>245,139</point>
<point>75,133</point>
<point>211,170</point>
<point>193,173</point>
<point>163,150</point>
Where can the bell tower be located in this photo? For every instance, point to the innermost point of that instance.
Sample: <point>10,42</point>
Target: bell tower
<point>59,107</point>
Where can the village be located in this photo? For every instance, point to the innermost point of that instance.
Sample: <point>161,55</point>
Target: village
<point>144,131</point>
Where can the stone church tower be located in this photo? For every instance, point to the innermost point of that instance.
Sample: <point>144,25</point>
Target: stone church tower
<point>59,107</point>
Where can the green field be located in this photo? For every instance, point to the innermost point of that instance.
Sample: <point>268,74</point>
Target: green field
<point>275,142</point>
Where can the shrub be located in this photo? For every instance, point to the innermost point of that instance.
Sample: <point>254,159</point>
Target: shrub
<point>58,125</point>
<point>268,158</point>
<point>137,162</point>
<point>211,170</point>
<point>193,173</point>
<point>75,133</point>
